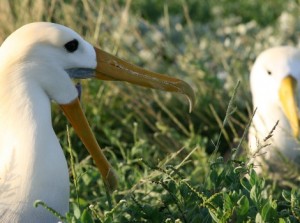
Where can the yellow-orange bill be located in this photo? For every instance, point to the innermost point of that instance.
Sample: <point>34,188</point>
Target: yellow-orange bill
<point>287,95</point>
<point>76,117</point>
<point>110,67</point>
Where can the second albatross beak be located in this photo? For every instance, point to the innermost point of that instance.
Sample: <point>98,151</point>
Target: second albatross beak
<point>287,96</point>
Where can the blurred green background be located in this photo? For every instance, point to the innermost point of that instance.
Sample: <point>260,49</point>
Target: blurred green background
<point>209,44</point>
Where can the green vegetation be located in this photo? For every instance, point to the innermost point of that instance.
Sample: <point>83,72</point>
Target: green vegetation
<point>172,166</point>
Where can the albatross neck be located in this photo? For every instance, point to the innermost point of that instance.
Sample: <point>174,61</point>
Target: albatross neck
<point>32,163</point>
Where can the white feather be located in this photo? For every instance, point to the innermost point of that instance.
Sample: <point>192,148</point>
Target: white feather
<point>280,62</point>
<point>32,164</point>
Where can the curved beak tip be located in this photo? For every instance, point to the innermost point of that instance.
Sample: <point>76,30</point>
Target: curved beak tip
<point>111,180</point>
<point>191,105</point>
<point>191,100</point>
<point>190,95</point>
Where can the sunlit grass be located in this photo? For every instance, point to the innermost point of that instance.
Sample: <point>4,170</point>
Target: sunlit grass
<point>172,165</point>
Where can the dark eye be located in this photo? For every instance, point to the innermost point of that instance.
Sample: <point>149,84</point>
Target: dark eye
<point>72,45</point>
<point>269,72</point>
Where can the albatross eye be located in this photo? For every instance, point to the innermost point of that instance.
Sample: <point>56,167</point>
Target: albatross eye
<point>72,45</point>
<point>269,72</point>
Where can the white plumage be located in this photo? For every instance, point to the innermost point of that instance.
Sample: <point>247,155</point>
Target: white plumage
<point>37,63</point>
<point>32,164</point>
<point>274,80</point>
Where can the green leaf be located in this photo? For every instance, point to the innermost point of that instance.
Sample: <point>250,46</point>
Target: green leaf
<point>172,186</point>
<point>286,195</point>
<point>86,217</point>
<point>77,211</point>
<point>281,220</point>
<point>258,218</point>
<point>268,213</point>
<point>253,178</point>
<point>243,205</point>
<point>213,214</point>
<point>253,194</point>
<point>227,202</point>
<point>184,190</point>
<point>214,176</point>
<point>265,211</point>
<point>245,183</point>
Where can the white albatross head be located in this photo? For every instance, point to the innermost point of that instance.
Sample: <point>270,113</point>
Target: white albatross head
<point>56,54</point>
<point>274,80</point>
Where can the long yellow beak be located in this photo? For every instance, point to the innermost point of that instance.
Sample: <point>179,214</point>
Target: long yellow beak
<point>76,117</point>
<point>112,68</point>
<point>287,95</point>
